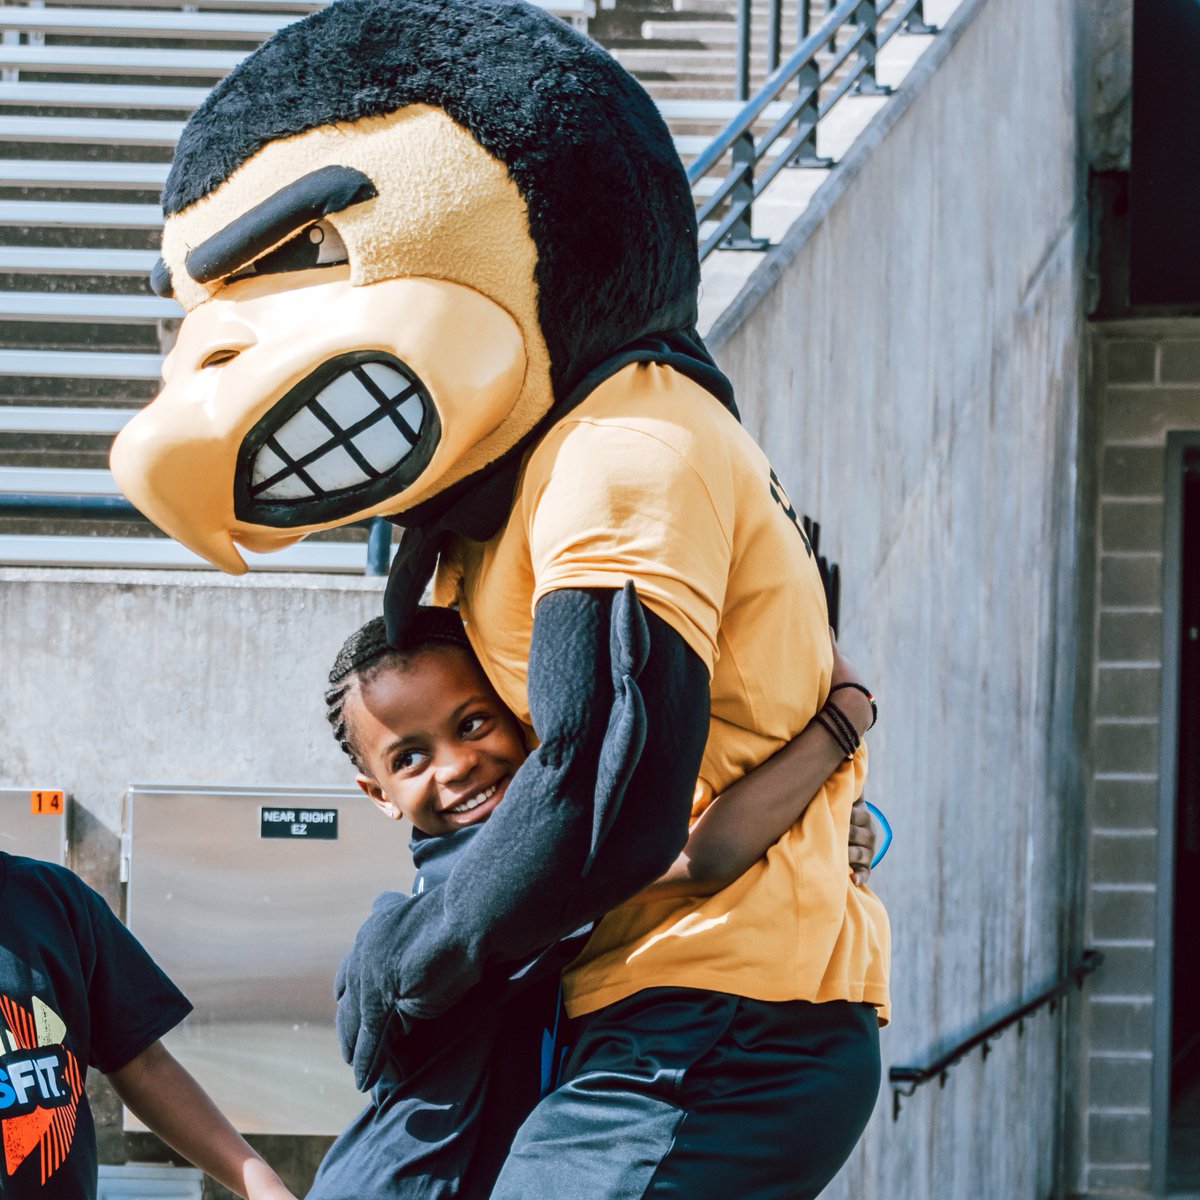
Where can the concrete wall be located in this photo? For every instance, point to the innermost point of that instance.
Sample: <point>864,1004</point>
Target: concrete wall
<point>909,358</point>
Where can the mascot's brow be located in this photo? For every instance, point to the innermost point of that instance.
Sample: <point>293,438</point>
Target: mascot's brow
<point>306,199</point>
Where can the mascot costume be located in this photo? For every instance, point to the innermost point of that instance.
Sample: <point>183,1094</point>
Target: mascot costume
<point>438,259</point>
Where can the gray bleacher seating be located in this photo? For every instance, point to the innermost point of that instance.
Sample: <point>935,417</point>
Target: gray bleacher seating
<point>118,60</point>
<point>67,260</point>
<point>139,21</point>
<point>295,7</point>
<point>55,481</point>
<point>17,418</point>
<point>93,95</point>
<point>80,364</point>
<point>101,95</point>
<point>90,131</point>
<point>77,215</point>
<point>134,21</point>
<point>47,173</point>
<point>84,306</point>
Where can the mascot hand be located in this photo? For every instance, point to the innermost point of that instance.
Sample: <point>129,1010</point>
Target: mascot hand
<point>365,990</point>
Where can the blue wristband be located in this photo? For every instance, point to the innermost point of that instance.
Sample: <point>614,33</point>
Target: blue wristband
<point>887,833</point>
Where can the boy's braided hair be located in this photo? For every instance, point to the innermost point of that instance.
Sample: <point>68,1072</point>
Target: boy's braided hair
<point>367,651</point>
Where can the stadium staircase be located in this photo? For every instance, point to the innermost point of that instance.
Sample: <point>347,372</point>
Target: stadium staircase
<point>92,97</point>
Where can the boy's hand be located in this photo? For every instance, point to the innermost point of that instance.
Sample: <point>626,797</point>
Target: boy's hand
<point>862,843</point>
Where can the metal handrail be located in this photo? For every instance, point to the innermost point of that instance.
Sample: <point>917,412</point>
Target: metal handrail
<point>63,506</point>
<point>905,1080</point>
<point>813,64</point>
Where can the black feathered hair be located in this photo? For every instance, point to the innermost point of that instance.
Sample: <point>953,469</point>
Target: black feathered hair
<point>609,207</point>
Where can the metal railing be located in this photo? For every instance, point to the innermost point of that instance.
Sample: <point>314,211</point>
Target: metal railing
<point>905,1080</point>
<point>828,63</point>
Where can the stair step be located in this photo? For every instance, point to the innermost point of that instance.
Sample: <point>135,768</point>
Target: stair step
<point>80,216</point>
<point>715,32</point>
<point>56,260</point>
<point>90,131</point>
<point>146,23</point>
<point>119,60</point>
<point>85,306</point>
<point>139,21</point>
<point>17,418</point>
<point>79,364</point>
<point>45,173</point>
<point>101,95</point>
<point>57,481</point>
<point>296,7</point>
<point>683,60</point>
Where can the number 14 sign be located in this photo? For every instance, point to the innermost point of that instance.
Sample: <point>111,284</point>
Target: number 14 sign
<point>45,803</point>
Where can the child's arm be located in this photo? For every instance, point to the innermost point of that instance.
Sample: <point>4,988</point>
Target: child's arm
<point>165,1097</point>
<point>751,815</point>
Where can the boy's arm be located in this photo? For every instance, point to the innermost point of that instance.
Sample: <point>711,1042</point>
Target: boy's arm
<point>165,1097</point>
<point>751,815</point>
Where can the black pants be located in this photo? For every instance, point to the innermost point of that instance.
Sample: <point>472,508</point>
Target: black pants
<point>699,1095</point>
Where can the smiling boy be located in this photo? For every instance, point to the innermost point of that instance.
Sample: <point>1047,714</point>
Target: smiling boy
<point>443,696</point>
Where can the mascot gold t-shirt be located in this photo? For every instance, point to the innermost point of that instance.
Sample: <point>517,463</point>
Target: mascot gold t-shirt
<point>650,480</point>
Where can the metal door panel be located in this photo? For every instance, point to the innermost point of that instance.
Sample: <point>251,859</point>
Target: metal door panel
<point>252,929</point>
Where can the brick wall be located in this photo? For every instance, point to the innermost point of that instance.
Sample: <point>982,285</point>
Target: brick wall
<point>1147,384</point>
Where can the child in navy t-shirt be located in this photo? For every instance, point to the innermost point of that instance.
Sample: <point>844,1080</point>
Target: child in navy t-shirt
<point>77,990</point>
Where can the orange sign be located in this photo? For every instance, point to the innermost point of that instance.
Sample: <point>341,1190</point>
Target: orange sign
<point>45,803</point>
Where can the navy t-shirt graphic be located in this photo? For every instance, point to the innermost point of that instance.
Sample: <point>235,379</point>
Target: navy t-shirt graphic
<point>40,1087</point>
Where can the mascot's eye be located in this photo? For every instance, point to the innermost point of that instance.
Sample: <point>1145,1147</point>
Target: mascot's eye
<point>318,245</point>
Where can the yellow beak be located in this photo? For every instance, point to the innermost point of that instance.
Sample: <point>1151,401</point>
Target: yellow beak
<point>180,476</point>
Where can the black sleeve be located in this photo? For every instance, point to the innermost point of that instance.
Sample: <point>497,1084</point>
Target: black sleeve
<point>131,1001</point>
<point>596,812</point>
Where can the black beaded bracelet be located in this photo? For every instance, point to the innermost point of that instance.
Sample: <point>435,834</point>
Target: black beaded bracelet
<point>835,734</point>
<point>858,687</point>
<point>844,723</point>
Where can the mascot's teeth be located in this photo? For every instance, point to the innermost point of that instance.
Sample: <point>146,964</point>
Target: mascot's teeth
<point>358,428</point>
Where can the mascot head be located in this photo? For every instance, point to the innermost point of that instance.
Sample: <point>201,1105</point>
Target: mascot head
<point>405,233</point>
